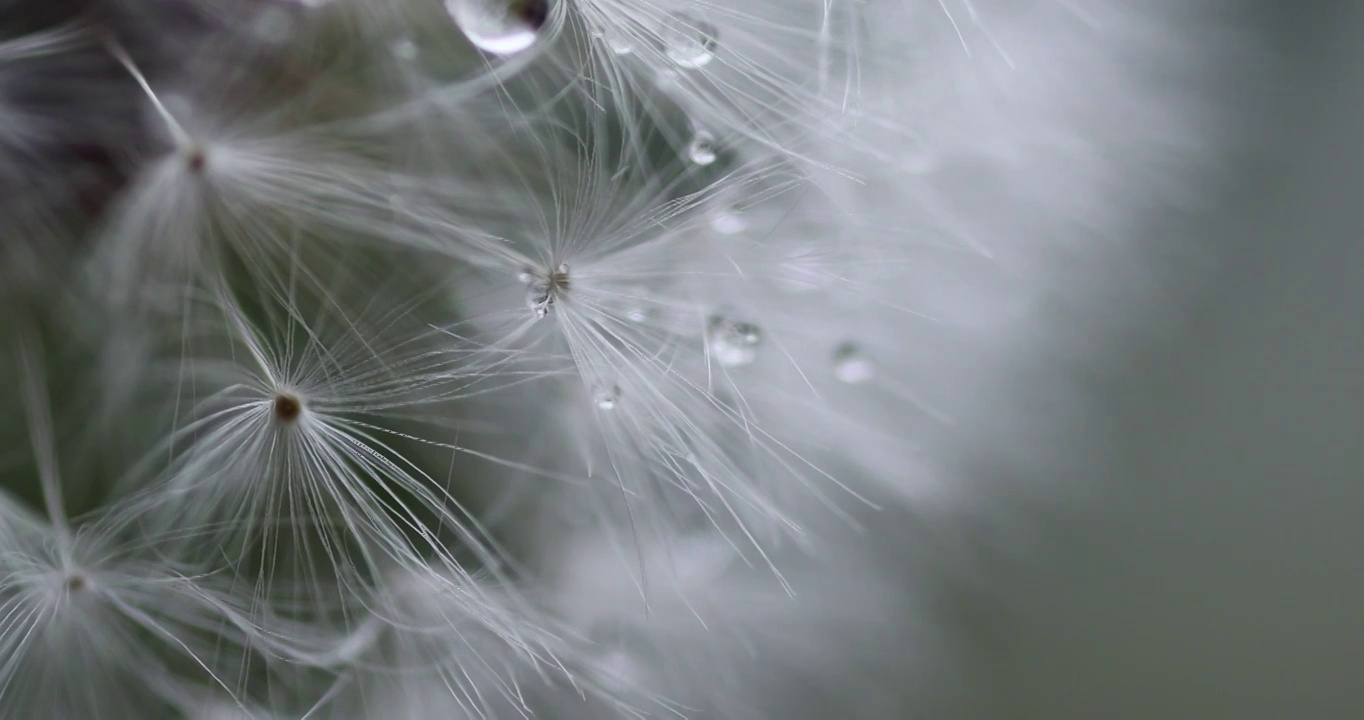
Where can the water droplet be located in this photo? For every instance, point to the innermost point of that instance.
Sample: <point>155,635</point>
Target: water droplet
<point>689,41</point>
<point>543,290</point>
<point>702,150</point>
<point>500,27</point>
<point>851,365</point>
<point>617,40</point>
<point>729,221</point>
<point>404,50</point>
<point>733,344</point>
<point>606,397</point>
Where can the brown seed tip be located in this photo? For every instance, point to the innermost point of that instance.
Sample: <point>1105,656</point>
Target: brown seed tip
<point>75,582</point>
<point>196,161</point>
<point>287,408</point>
<point>534,13</point>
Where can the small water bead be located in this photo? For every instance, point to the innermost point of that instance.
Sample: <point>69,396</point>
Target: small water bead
<point>543,290</point>
<point>616,40</point>
<point>702,150</point>
<point>851,365</point>
<point>500,27</point>
<point>733,343</point>
<point>404,50</point>
<point>729,221</point>
<point>606,397</point>
<point>688,41</point>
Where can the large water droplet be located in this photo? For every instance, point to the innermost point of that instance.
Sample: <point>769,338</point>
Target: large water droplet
<point>732,343</point>
<point>616,39</point>
<point>851,365</point>
<point>701,150</point>
<point>500,27</point>
<point>689,41</point>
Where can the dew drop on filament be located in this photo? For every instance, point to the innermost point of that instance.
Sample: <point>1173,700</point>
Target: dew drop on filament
<point>701,150</point>
<point>606,397</point>
<point>851,365</point>
<point>688,41</point>
<point>732,343</point>
<point>500,27</point>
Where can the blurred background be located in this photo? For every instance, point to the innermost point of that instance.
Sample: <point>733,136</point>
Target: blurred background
<point>1211,566</point>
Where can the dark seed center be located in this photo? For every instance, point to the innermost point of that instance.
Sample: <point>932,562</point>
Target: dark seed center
<point>287,408</point>
<point>534,13</point>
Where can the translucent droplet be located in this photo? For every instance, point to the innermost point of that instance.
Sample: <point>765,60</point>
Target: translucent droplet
<point>606,397</point>
<point>732,343</point>
<point>851,365</point>
<point>689,41</point>
<point>500,27</point>
<point>404,50</point>
<point>729,221</point>
<point>617,41</point>
<point>702,150</point>
<point>543,290</point>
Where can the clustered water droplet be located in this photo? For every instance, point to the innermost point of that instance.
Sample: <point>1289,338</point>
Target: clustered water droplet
<point>851,365</point>
<point>733,343</point>
<point>688,41</point>
<point>543,290</point>
<point>500,27</point>
<point>701,150</point>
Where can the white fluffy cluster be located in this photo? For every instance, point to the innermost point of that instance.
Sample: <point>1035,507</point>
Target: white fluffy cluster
<point>412,359</point>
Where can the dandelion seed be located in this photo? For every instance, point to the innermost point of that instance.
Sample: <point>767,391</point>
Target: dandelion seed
<point>851,365</point>
<point>500,27</point>
<point>688,41</point>
<point>732,343</point>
